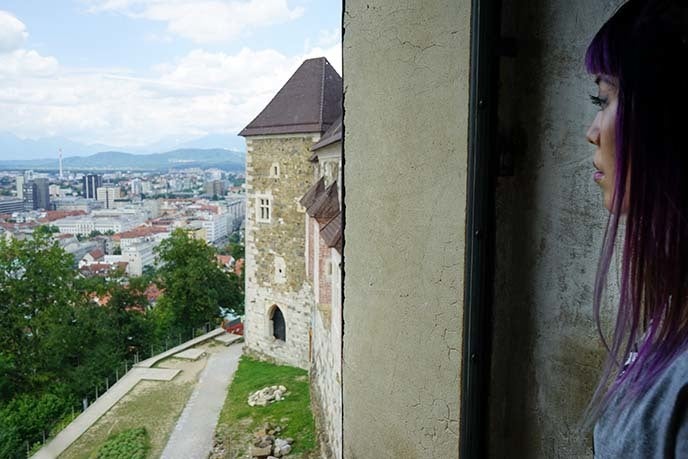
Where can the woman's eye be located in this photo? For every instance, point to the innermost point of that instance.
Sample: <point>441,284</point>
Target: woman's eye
<point>598,101</point>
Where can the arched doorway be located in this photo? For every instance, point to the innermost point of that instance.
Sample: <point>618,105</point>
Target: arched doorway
<point>279,327</point>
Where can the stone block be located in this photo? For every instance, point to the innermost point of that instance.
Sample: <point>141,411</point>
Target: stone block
<point>261,452</point>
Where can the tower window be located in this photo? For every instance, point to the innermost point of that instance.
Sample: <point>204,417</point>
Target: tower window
<point>264,210</point>
<point>275,170</point>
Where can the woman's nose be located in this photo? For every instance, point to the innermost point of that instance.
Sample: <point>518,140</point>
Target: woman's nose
<point>593,134</point>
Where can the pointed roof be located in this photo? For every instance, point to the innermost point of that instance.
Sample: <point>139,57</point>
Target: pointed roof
<point>309,102</point>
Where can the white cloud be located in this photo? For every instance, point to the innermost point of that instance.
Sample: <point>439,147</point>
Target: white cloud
<point>12,32</point>
<point>204,21</point>
<point>202,92</point>
<point>23,63</point>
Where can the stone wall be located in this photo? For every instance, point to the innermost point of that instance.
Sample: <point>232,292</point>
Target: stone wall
<point>325,274</point>
<point>326,388</point>
<point>275,250</point>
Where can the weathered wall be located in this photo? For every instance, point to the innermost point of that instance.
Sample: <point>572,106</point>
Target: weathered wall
<point>281,240</point>
<point>546,353</point>
<point>406,70</point>
<point>326,362</point>
<point>326,388</point>
<point>324,274</point>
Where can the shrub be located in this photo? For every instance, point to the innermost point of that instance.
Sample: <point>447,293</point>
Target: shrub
<point>129,444</point>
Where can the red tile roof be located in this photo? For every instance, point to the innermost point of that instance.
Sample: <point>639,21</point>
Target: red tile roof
<point>140,231</point>
<point>224,260</point>
<point>96,268</point>
<point>52,215</point>
<point>96,254</point>
<point>213,209</point>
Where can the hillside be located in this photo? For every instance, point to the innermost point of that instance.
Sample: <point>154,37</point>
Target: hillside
<point>117,160</point>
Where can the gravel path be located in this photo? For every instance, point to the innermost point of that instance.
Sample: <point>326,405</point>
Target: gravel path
<point>192,437</point>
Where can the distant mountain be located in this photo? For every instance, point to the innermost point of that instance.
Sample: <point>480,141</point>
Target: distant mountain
<point>13,147</point>
<point>229,141</point>
<point>117,160</point>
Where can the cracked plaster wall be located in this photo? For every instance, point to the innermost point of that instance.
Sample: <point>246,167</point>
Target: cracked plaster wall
<point>546,352</point>
<point>406,69</point>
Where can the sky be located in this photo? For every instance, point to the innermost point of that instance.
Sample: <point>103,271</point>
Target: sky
<point>136,72</point>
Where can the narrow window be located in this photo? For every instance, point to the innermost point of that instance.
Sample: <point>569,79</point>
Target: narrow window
<point>275,170</point>
<point>279,328</point>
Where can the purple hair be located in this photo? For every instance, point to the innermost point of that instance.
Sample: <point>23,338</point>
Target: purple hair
<point>644,47</point>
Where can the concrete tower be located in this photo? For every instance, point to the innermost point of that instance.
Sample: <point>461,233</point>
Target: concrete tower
<point>59,156</point>
<point>20,186</point>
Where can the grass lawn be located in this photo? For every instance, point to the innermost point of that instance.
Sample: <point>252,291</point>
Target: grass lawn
<point>238,421</point>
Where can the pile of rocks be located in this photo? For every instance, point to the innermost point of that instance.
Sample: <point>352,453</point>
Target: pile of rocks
<point>266,444</point>
<point>219,449</point>
<point>267,395</point>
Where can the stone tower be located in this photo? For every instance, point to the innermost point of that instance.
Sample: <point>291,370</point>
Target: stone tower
<point>279,298</point>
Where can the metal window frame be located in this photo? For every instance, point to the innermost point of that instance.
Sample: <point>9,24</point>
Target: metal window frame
<point>480,233</point>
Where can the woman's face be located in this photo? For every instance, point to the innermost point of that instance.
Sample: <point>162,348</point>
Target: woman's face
<point>602,134</point>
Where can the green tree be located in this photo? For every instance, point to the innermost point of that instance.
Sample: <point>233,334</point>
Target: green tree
<point>47,229</point>
<point>37,281</point>
<point>56,344</point>
<point>127,315</point>
<point>236,250</point>
<point>149,272</point>
<point>195,289</point>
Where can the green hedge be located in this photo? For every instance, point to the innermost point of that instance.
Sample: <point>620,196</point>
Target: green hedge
<point>129,444</point>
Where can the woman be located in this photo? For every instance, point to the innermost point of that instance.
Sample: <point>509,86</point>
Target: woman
<point>639,59</point>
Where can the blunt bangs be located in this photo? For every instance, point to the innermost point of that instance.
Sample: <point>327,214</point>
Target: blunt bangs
<point>600,58</point>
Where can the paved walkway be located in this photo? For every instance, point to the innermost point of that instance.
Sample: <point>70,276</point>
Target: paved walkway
<point>186,345</point>
<point>139,372</point>
<point>192,437</point>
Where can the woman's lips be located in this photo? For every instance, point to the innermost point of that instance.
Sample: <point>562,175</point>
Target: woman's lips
<point>597,176</point>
